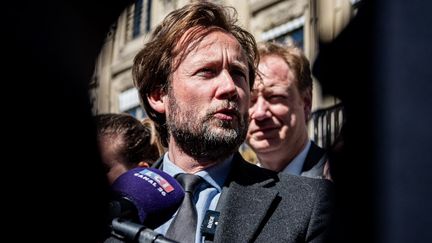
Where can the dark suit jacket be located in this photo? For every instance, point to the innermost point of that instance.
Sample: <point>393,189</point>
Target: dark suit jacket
<point>314,163</point>
<point>259,205</point>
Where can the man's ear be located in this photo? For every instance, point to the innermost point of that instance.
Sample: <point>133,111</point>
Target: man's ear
<point>157,100</point>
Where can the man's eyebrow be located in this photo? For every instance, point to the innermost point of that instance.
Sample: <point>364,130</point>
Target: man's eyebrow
<point>239,64</point>
<point>205,61</point>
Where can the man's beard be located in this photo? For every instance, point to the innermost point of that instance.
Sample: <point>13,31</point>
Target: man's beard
<point>206,138</point>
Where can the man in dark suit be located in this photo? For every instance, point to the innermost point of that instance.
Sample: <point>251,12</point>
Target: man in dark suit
<point>194,77</point>
<point>280,108</point>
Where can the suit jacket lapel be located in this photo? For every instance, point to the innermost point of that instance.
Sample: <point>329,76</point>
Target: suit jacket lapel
<point>314,162</point>
<point>244,203</point>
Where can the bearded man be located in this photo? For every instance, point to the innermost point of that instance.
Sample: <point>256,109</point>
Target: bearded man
<point>194,78</point>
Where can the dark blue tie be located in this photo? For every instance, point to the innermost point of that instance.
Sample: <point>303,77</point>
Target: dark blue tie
<point>183,226</point>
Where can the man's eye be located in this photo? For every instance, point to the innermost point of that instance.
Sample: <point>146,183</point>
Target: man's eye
<point>206,72</point>
<point>275,98</point>
<point>239,73</point>
<point>253,100</point>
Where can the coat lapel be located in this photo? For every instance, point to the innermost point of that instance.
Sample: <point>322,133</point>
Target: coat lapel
<point>244,203</point>
<point>314,163</point>
<point>241,218</point>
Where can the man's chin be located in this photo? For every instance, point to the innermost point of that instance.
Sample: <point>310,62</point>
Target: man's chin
<point>225,124</point>
<point>265,138</point>
<point>263,145</point>
<point>225,129</point>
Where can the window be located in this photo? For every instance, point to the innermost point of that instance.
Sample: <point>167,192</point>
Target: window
<point>138,19</point>
<point>288,33</point>
<point>294,37</point>
<point>129,103</point>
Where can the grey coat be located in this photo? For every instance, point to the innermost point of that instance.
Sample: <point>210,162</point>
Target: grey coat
<point>259,205</point>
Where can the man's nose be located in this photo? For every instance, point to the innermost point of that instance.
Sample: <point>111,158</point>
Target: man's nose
<point>260,109</point>
<point>227,88</point>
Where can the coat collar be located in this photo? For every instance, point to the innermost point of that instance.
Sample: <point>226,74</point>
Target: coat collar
<point>314,162</point>
<point>245,202</point>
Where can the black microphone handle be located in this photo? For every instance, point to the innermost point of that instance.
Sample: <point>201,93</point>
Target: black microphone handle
<point>124,208</point>
<point>157,238</point>
<point>137,232</point>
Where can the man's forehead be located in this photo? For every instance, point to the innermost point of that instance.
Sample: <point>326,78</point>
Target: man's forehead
<point>260,85</point>
<point>202,37</point>
<point>210,42</point>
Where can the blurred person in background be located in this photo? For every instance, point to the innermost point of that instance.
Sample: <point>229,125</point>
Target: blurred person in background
<point>125,143</point>
<point>279,111</point>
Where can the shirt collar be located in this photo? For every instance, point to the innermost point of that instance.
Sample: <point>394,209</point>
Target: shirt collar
<point>214,175</point>
<point>296,165</point>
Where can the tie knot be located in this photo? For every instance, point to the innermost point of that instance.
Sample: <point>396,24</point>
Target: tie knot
<point>189,181</point>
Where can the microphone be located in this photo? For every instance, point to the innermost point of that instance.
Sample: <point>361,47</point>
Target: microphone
<point>132,232</point>
<point>147,195</point>
<point>209,224</point>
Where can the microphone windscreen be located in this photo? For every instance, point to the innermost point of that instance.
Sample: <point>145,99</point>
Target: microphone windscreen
<point>155,194</point>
